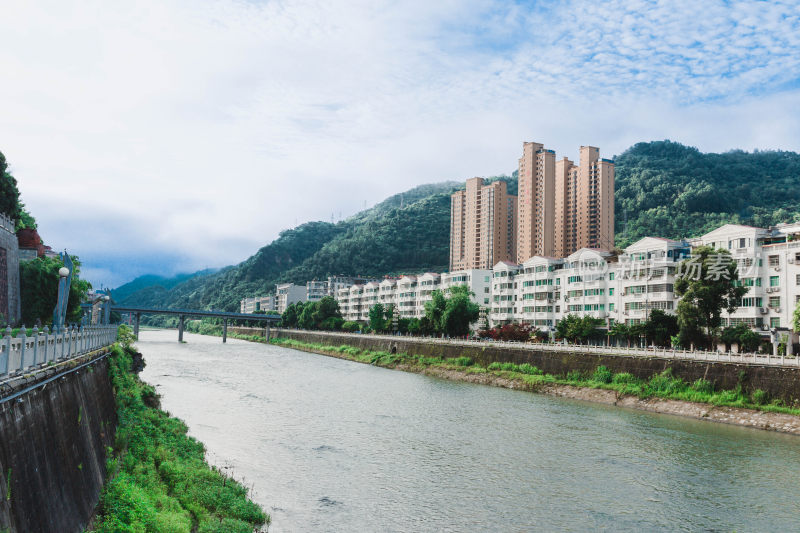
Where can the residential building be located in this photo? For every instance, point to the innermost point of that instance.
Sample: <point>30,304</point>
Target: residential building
<point>563,207</point>
<point>258,303</point>
<point>335,283</point>
<point>482,225</point>
<point>316,290</point>
<point>287,294</point>
<point>535,202</point>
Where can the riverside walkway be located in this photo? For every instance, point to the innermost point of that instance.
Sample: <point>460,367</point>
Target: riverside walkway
<point>663,353</point>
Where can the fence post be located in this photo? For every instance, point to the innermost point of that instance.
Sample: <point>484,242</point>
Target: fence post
<point>46,342</point>
<point>35,336</point>
<point>24,338</point>
<point>5,361</point>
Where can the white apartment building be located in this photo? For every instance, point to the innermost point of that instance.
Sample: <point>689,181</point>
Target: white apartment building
<point>258,303</point>
<point>409,294</point>
<point>287,294</point>
<point>316,290</point>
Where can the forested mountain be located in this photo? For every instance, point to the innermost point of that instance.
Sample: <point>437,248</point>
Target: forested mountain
<point>670,190</point>
<point>385,239</point>
<point>663,189</point>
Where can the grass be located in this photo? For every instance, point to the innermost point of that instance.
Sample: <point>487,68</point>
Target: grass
<point>664,385</point>
<point>159,480</point>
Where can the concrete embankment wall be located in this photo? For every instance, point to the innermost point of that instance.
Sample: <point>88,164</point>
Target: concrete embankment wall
<point>53,443</point>
<point>783,383</point>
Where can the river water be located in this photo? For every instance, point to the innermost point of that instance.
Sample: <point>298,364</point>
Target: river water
<point>331,445</point>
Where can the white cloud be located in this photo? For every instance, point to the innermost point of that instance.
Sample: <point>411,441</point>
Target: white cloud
<point>196,131</point>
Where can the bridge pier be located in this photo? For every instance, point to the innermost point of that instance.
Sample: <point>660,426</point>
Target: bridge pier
<point>266,332</point>
<point>136,318</point>
<point>225,331</point>
<point>180,328</point>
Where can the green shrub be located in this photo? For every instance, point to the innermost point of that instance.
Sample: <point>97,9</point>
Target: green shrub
<point>461,361</point>
<point>495,366</point>
<point>665,384</point>
<point>759,397</point>
<point>350,326</point>
<point>527,368</point>
<point>574,375</point>
<point>623,377</point>
<point>704,386</point>
<point>602,375</point>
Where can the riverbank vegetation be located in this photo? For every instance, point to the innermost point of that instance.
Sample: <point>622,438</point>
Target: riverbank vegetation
<point>663,385</point>
<point>158,479</point>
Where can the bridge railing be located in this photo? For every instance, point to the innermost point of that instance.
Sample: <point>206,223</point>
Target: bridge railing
<point>23,352</point>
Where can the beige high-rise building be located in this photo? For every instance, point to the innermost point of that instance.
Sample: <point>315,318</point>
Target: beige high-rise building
<point>535,202</point>
<point>584,203</point>
<point>482,225</point>
<point>564,207</point>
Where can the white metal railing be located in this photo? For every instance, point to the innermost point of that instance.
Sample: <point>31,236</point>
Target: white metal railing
<point>22,352</point>
<point>664,353</point>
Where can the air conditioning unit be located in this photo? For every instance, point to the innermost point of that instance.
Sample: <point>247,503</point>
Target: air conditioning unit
<point>790,260</point>
<point>762,310</point>
<point>777,309</point>
<point>777,268</point>
<point>764,327</point>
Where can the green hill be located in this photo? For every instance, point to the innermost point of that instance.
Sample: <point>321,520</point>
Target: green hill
<point>663,189</point>
<point>670,190</point>
<point>407,232</point>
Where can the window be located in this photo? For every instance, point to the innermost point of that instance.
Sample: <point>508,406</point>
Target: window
<point>486,279</point>
<point>775,322</point>
<point>610,307</point>
<point>797,279</point>
<point>611,276</point>
<point>774,281</point>
<point>611,291</point>
<point>774,301</point>
<point>774,261</point>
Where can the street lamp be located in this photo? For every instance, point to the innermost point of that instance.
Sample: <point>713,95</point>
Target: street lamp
<point>63,272</point>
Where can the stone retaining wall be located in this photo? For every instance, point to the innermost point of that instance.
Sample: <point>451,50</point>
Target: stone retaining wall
<point>778,382</point>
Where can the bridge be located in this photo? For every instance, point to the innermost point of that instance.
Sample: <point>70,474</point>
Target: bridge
<point>137,313</point>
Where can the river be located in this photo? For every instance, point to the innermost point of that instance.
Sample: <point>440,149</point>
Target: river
<point>332,445</point>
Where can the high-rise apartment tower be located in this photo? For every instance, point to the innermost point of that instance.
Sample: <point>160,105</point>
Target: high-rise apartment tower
<point>482,225</point>
<point>536,202</point>
<point>563,207</point>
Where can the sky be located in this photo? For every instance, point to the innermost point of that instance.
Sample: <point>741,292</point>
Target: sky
<point>176,135</point>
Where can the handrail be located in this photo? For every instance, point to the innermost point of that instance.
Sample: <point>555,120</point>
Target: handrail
<point>21,353</point>
<point>663,353</point>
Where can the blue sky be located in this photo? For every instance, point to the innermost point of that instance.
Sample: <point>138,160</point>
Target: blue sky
<point>158,137</point>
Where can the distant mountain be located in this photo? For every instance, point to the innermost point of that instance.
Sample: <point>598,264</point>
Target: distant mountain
<point>406,233</point>
<point>151,281</point>
<point>663,189</point>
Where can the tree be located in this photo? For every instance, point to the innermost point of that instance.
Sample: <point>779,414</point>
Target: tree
<point>747,339</point>
<point>306,318</point>
<point>620,330</point>
<point>434,311</point>
<point>660,327</point>
<point>578,329</point>
<point>39,290</point>
<point>291,315</point>
<point>459,312</point>
<point>377,321</point>
<point>796,318</point>
<point>9,194</point>
<point>706,285</point>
